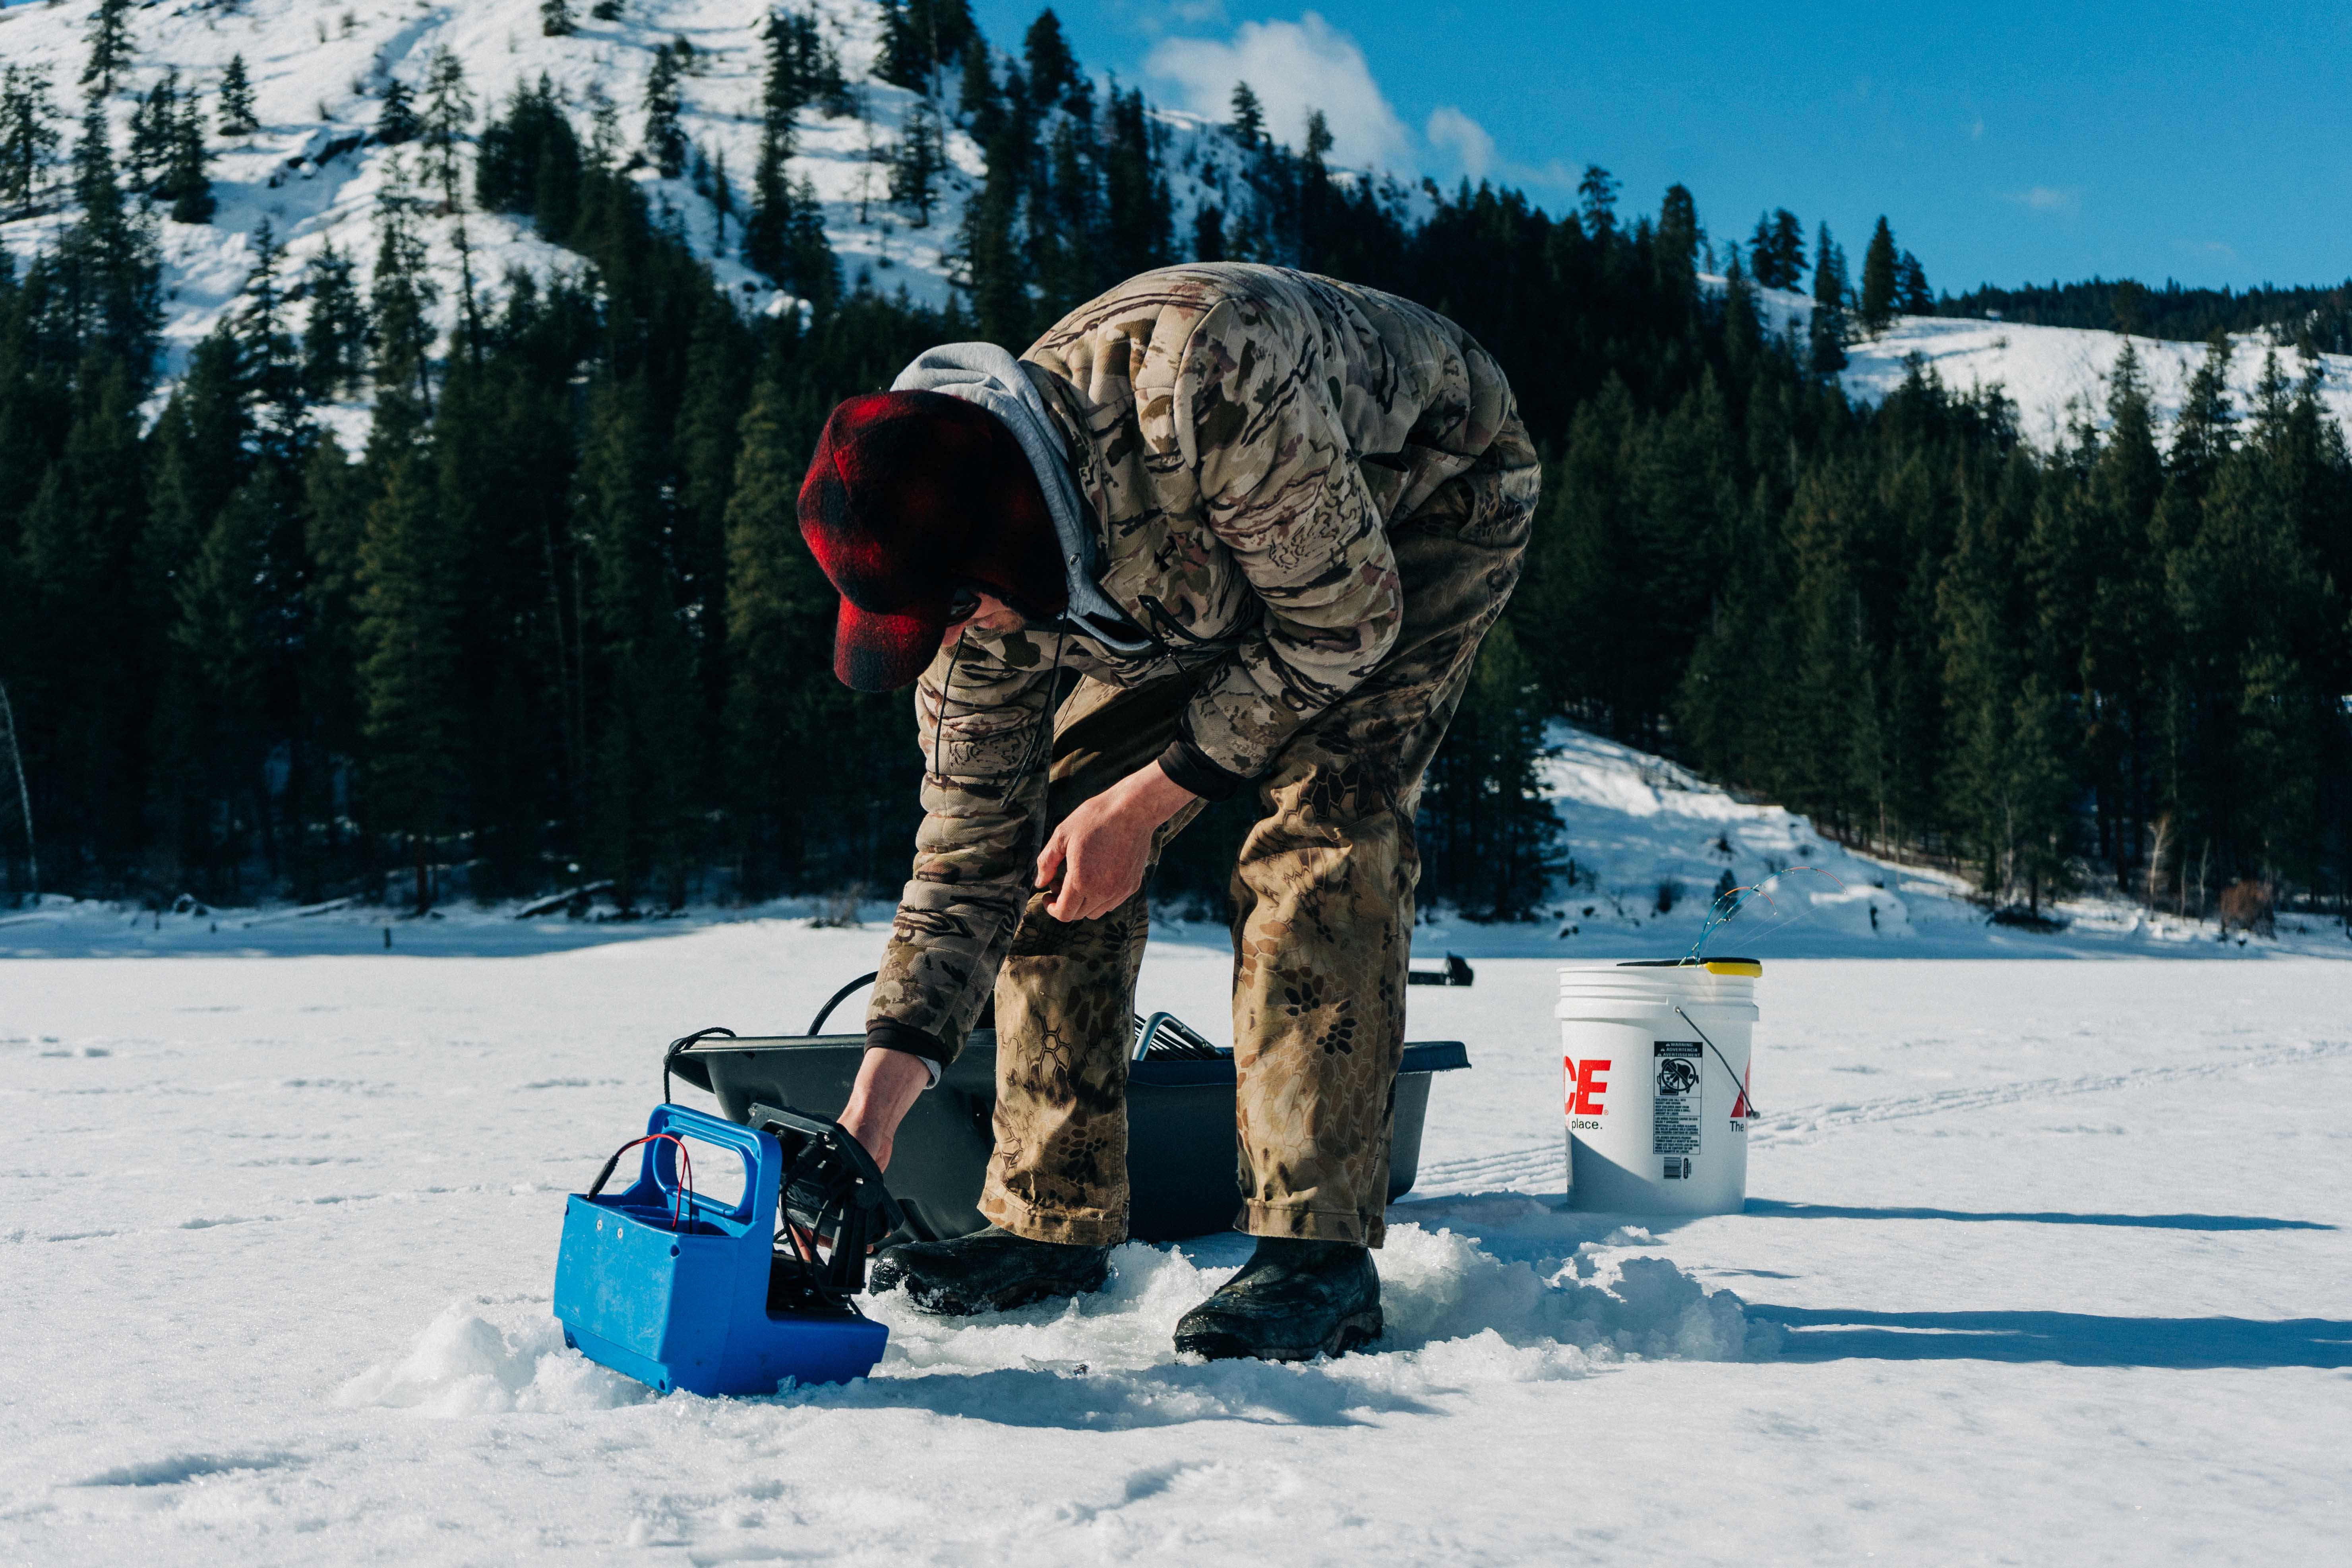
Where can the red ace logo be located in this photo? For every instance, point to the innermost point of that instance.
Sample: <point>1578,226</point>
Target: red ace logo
<point>1583,1084</point>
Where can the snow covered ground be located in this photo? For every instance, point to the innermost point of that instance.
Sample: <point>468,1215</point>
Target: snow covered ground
<point>2042,1262</point>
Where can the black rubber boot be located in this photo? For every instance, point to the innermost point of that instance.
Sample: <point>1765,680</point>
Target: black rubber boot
<point>1293,1301</point>
<point>989,1271</point>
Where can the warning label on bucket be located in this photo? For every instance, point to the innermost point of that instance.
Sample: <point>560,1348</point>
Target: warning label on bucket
<point>1675,1109</point>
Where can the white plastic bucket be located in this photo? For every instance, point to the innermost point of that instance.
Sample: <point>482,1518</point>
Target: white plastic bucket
<point>1655,1064</point>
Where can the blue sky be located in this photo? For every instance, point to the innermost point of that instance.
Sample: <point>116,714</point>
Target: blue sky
<point>2004,142</point>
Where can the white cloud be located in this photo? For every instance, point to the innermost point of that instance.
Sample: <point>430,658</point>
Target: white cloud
<point>1451,130</point>
<point>2047,199</point>
<point>1151,16</point>
<point>1293,67</point>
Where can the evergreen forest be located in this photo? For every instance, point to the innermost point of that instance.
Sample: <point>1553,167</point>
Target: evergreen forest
<point>551,624</point>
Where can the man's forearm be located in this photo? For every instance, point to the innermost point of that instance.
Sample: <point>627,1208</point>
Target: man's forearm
<point>887,1084</point>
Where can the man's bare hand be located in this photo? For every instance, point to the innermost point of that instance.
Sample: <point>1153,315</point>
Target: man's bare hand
<point>1099,851</point>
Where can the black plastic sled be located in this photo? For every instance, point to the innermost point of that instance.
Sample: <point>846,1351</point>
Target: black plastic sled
<point>1180,1119</point>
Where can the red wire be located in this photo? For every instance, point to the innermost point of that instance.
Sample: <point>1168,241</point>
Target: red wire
<point>686,1165</point>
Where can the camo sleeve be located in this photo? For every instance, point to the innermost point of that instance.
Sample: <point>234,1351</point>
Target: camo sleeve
<point>982,716</point>
<point>1256,416</point>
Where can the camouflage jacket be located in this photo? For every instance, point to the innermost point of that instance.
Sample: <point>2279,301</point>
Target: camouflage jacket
<point>1244,437</point>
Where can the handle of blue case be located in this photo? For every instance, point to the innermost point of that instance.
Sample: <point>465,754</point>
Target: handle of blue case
<point>763,1159</point>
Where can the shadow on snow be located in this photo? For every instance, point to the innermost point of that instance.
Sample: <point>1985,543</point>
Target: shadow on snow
<point>2070,1338</point>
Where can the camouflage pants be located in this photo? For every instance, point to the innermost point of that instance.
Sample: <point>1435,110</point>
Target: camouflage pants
<point>1323,900</point>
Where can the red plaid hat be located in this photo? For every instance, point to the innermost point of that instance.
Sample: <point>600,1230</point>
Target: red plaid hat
<point>912,496</point>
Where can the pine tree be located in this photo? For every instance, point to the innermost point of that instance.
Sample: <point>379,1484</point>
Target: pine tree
<point>530,162</point>
<point>722,198</point>
<point>335,338</point>
<point>226,642</point>
<point>2205,433</point>
<point>1054,75</point>
<point>80,673</point>
<point>555,20</point>
<point>803,69</point>
<point>108,259</point>
<point>769,220</point>
<point>1596,195</point>
<point>664,142</point>
<point>1486,830</point>
<point>1208,233</point>
<point>1676,249</point>
<point>28,138</point>
<point>1881,278</point>
<point>236,116</point>
<point>994,276</point>
<point>1828,330</point>
<point>1246,123</point>
<point>2113,600</point>
<point>1776,253</point>
<point>187,183</point>
<point>780,614</point>
<point>917,162</point>
<point>155,133</point>
<point>408,609</point>
<point>448,112</point>
<point>396,123</point>
<point>647,752</point>
<point>1912,295</point>
<point>400,298</point>
<point>270,357</point>
<point>922,37</point>
<point>110,45</point>
<point>811,269</point>
<point>1138,224</point>
<point>788,85</point>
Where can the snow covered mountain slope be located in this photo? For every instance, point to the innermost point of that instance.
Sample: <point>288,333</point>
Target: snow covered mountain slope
<point>2057,376</point>
<point>1651,844</point>
<point>318,72</point>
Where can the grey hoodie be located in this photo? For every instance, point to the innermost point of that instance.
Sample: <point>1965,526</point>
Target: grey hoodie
<point>987,375</point>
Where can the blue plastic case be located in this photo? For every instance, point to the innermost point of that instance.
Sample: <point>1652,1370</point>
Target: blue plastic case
<point>686,1307</point>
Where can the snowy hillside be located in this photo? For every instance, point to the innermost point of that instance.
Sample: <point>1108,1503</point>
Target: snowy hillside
<point>2057,376</point>
<point>1651,844</point>
<point>318,72</point>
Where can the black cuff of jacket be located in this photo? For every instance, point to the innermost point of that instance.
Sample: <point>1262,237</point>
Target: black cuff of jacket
<point>889,1035</point>
<point>1189,768</point>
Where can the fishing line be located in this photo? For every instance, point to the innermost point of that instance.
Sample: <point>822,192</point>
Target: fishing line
<point>1739,897</point>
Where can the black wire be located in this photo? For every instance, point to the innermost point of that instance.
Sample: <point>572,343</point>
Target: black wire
<point>838,997</point>
<point>683,1044</point>
<point>1753,1114</point>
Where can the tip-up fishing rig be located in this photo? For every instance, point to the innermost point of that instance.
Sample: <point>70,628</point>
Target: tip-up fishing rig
<point>1729,903</point>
